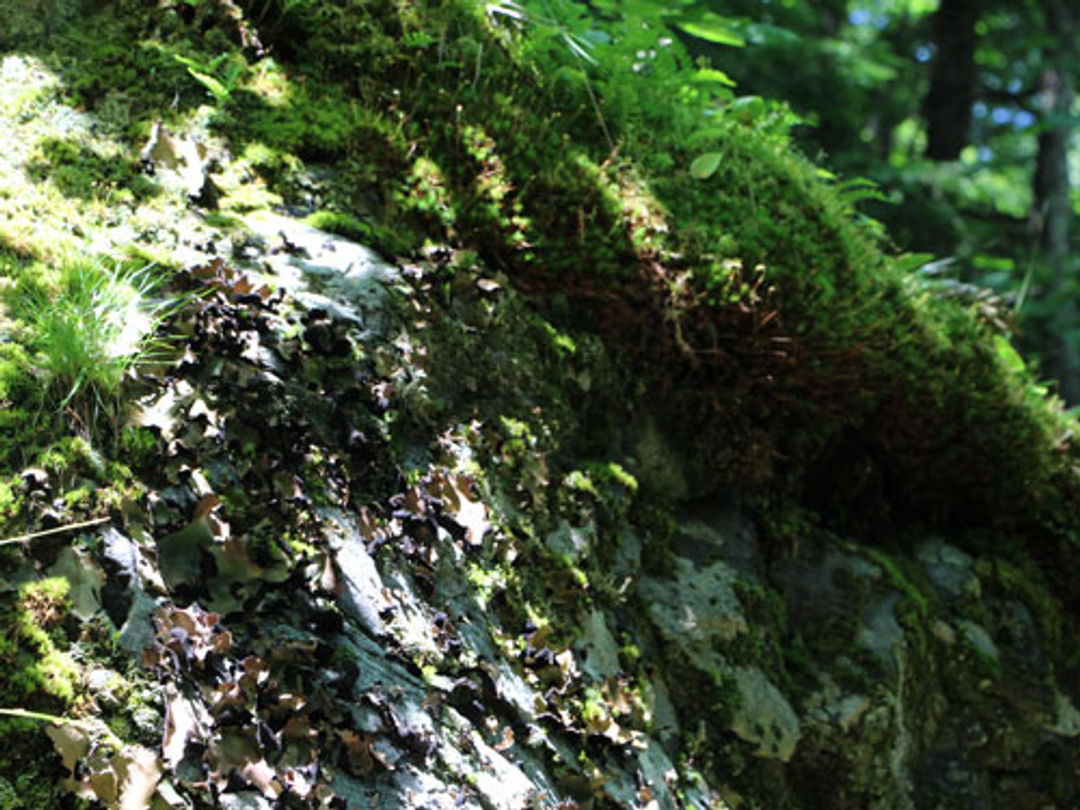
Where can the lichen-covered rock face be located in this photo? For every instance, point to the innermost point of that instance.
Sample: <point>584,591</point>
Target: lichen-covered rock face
<point>446,531</point>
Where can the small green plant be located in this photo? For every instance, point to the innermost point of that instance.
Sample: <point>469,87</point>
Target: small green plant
<point>88,329</point>
<point>219,81</point>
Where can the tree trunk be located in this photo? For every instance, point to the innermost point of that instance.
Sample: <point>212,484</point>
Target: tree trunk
<point>952,85</point>
<point>1053,209</point>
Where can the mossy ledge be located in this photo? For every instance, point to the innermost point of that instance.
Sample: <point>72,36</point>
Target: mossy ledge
<point>790,354</point>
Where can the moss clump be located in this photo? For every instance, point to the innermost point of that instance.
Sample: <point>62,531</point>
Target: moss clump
<point>603,489</point>
<point>33,774</point>
<point>35,670</point>
<point>139,447</point>
<point>72,462</point>
<point>8,500</point>
<point>902,582</point>
<point>20,401</point>
<point>318,123</point>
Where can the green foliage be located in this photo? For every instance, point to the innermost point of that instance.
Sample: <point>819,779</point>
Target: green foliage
<point>860,75</point>
<point>149,77</point>
<point>901,581</point>
<point>342,224</point>
<point>28,762</point>
<point>743,301</point>
<point>138,446</point>
<point>20,399</point>
<point>312,123</point>
<point>8,500</point>
<point>36,674</point>
<point>497,133</point>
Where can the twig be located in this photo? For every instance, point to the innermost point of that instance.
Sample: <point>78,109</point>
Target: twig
<point>86,726</point>
<point>22,538</point>
<point>29,715</point>
<point>596,109</point>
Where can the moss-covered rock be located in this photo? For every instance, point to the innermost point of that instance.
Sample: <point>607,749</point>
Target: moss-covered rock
<point>615,487</point>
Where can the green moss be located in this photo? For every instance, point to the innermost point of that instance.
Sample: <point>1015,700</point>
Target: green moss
<point>781,348</point>
<point>900,581</point>
<point>776,346</point>
<point>105,59</point>
<point>561,342</point>
<point>8,499</point>
<point>20,401</point>
<point>77,170</point>
<point>1022,580</point>
<point>766,618</point>
<point>603,490</point>
<point>71,457</point>
<point>14,369</point>
<point>339,223</point>
<point>311,122</point>
<point>613,474</point>
<point>139,447</point>
<point>35,671</point>
<point>33,772</point>
<point>79,495</point>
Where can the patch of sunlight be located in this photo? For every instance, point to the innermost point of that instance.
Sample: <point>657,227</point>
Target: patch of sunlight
<point>113,210</point>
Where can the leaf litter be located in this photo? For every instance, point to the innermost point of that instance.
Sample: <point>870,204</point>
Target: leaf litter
<point>271,414</point>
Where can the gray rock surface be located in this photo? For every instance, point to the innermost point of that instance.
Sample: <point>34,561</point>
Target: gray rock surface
<point>763,716</point>
<point>324,271</point>
<point>695,607</point>
<point>363,595</point>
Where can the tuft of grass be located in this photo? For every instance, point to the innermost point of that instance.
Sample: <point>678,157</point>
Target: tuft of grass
<point>89,325</point>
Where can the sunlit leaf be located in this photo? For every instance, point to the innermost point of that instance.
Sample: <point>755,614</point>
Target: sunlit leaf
<point>712,76</point>
<point>85,578</point>
<point>712,28</point>
<point>181,726</point>
<point>705,166</point>
<point>72,742</point>
<point>470,513</point>
<point>139,772</point>
<point>913,261</point>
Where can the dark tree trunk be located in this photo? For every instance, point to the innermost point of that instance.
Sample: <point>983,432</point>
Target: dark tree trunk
<point>952,84</point>
<point>1053,210</point>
